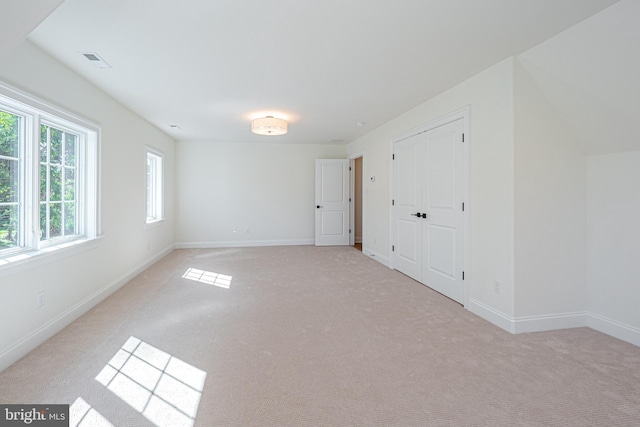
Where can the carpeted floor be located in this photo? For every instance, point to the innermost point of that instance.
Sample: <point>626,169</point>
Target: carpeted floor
<point>306,336</point>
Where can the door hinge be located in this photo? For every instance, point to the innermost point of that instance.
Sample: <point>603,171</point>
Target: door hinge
<point>462,206</point>
<point>349,167</point>
<point>463,137</point>
<point>393,202</point>
<point>349,231</point>
<point>393,248</point>
<point>463,275</point>
<point>393,157</point>
<point>350,200</point>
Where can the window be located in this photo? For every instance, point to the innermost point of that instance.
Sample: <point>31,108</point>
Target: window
<point>10,200</point>
<point>154,186</point>
<point>58,170</point>
<point>48,177</point>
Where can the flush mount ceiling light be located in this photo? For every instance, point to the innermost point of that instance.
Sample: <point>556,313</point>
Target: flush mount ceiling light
<point>269,125</point>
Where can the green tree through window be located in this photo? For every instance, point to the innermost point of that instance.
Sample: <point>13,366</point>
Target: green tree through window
<point>58,187</point>
<point>49,183</point>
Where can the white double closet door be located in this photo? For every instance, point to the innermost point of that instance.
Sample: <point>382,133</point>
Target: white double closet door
<point>427,208</point>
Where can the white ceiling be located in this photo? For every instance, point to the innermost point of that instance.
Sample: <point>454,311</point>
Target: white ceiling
<point>211,66</point>
<point>19,17</point>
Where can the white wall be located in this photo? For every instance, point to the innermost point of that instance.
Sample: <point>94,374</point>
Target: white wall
<point>243,194</point>
<point>589,74</point>
<point>534,119</point>
<point>613,243</point>
<point>550,216</point>
<point>490,97</point>
<point>588,78</point>
<point>74,283</point>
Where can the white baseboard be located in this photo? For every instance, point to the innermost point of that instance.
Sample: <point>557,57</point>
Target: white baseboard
<point>377,256</point>
<point>255,243</point>
<point>55,325</point>
<point>243,244</point>
<point>492,315</point>
<point>520,325</point>
<point>552,322</point>
<point>614,328</point>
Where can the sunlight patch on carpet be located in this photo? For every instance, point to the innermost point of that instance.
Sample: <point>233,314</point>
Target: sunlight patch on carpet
<point>81,414</point>
<point>208,277</point>
<point>163,388</point>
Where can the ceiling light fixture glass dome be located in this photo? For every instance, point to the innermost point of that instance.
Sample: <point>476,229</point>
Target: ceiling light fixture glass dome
<point>270,126</point>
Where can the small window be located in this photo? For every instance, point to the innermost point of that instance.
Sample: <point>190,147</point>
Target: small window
<point>154,186</point>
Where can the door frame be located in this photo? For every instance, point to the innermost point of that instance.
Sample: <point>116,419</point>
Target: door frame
<point>346,176</point>
<point>464,114</point>
<point>352,205</point>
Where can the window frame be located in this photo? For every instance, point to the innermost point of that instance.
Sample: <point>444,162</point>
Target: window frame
<point>79,178</point>
<point>157,186</point>
<point>36,112</point>
<point>20,235</point>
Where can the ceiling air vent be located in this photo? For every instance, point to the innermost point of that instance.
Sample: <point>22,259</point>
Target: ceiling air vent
<point>95,59</point>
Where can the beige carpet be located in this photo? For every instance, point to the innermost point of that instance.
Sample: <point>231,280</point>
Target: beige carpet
<point>305,336</point>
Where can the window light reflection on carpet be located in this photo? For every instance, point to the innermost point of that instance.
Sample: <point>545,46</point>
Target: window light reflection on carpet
<point>81,414</point>
<point>163,388</point>
<point>208,277</point>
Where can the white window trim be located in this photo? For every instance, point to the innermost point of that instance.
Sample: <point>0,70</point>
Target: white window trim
<point>159,187</point>
<point>36,110</point>
<point>23,260</point>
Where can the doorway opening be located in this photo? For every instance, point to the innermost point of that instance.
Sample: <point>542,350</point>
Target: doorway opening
<point>339,207</point>
<point>357,202</point>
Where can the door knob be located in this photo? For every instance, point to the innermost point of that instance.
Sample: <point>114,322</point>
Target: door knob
<point>318,207</point>
<point>417,214</point>
<point>424,215</point>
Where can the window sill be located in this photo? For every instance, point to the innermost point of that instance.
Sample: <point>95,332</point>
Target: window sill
<point>154,223</point>
<point>27,259</point>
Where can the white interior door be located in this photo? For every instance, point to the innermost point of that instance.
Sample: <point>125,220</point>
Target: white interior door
<point>407,202</point>
<point>443,228</point>
<point>427,215</point>
<point>332,202</point>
